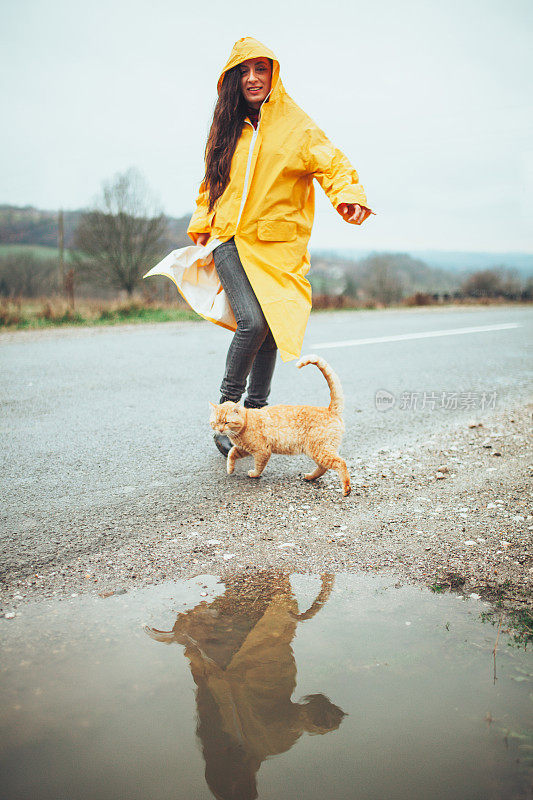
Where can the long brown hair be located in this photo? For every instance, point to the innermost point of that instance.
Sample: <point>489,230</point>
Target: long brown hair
<point>226,128</point>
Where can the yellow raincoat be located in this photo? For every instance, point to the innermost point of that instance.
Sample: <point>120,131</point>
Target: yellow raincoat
<point>268,204</point>
<point>241,659</point>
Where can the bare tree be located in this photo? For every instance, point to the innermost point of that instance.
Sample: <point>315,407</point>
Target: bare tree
<point>380,280</point>
<point>120,239</point>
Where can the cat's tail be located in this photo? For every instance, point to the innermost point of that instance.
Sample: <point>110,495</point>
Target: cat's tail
<point>336,404</point>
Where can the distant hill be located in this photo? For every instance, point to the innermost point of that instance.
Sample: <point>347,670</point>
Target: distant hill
<point>32,226</point>
<point>413,274</point>
<point>456,261</point>
<point>436,269</point>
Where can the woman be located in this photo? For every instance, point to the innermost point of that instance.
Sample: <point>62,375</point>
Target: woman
<point>256,204</point>
<point>239,648</point>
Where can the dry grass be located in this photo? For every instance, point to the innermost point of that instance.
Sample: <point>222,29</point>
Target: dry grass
<point>55,311</point>
<point>45,312</point>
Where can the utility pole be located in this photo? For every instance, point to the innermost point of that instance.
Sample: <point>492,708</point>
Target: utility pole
<point>61,242</point>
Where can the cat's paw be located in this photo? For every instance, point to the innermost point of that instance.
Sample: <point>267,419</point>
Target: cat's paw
<point>346,489</point>
<point>230,466</point>
<point>253,474</point>
<point>309,476</point>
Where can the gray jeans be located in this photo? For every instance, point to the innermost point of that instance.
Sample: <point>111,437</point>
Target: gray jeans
<point>252,351</point>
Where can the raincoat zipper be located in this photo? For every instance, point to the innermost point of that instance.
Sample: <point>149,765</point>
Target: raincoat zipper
<point>249,162</point>
<point>247,173</point>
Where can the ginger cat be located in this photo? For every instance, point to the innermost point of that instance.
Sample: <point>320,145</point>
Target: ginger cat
<point>292,430</point>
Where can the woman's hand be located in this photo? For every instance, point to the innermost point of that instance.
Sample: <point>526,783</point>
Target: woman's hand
<point>351,212</point>
<point>202,239</point>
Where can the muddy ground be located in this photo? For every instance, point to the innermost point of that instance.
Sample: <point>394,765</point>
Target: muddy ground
<point>454,512</point>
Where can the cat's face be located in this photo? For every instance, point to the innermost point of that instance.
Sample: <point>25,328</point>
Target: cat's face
<point>227,418</point>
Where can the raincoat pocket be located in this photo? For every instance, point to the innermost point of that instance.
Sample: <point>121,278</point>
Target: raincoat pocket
<point>276,230</point>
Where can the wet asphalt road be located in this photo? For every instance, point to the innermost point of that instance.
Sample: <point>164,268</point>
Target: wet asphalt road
<point>106,429</point>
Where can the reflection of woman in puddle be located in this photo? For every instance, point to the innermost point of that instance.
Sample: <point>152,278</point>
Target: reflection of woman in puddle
<point>239,649</point>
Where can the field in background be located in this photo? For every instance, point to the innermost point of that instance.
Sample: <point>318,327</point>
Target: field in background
<point>36,250</point>
<point>49,312</point>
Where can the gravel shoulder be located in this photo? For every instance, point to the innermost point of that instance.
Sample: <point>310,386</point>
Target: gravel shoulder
<point>454,512</point>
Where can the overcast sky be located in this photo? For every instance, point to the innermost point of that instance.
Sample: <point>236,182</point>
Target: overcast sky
<point>430,100</point>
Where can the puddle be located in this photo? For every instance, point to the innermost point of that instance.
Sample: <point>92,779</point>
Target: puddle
<point>269,686</point>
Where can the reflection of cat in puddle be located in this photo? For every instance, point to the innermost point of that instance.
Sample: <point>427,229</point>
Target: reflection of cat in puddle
<point>241,659</point>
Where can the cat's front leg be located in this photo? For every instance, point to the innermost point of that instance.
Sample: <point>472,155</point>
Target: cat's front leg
<point>260,461</point>
<point>232,457</point>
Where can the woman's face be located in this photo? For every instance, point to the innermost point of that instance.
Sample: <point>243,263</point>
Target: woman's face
<point>256,79</point>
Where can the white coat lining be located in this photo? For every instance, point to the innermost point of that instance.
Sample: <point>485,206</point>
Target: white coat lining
<point>249,162</point>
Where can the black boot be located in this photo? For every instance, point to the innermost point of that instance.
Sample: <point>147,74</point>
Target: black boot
<point>251,404</point>
<point>222,442</point>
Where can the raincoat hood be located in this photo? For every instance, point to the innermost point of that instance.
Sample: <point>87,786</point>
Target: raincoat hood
<point>246,48</point>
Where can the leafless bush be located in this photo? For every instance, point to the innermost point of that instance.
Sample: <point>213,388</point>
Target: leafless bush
<point>10,312</point>
<point>329,301</point>
<point>492,283</point>
<point>420,299</point>
<point>527,293</point>
<point>23,273</point>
